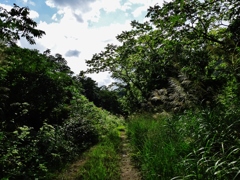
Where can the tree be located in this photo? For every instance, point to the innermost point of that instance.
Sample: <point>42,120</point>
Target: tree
<point>16,23</point>
<point>38,91</point>
<point>179,38</point>
<point>90,88</point>
<point>101,96</point>
<point>137,64</point>
<point>13,25</point>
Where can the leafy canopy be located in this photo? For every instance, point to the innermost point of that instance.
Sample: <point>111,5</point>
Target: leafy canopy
<point>16,23</point>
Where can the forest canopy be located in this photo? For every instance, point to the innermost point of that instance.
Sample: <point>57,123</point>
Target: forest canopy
<point>183,55</point>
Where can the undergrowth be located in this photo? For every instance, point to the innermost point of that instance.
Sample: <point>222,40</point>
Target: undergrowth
<point>30,154</point>
<point>203,144</point>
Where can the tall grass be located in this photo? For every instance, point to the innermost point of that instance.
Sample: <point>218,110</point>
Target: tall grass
<point>158,146</point>
<point>196,145</point>
<point>216,150</point>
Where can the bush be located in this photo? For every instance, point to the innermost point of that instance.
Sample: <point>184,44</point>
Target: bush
<point>20,158</point>
<point>81,132</point>
<point>32,154</point>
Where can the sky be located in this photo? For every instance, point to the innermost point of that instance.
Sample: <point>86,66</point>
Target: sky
<point>77,29</point>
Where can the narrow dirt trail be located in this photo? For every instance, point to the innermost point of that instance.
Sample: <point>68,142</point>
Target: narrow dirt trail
<point>128,171</point>
<point>71,173</point>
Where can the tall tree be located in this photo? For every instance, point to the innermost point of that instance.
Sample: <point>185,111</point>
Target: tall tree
<point>178,38</point>
<point>38,91</point>
<point>16,23</point>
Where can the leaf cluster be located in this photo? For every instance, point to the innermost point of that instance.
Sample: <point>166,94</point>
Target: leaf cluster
<point>16,23</point>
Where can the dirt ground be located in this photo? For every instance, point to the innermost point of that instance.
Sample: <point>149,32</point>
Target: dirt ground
<point>128,171</point>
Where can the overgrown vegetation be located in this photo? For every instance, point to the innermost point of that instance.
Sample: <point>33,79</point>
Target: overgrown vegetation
<point>180,67</point>
<point>46,121</point>
<point>184,61</point>
<point>201,144</point>
<point>99,162</point>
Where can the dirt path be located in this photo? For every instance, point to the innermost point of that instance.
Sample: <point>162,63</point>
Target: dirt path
<point>71,173</point>
<point>128,171</point>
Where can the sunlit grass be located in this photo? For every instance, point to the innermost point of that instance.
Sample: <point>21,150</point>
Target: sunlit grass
<point>158,149</point>
<point>196,145</point>
<point>103,160</point>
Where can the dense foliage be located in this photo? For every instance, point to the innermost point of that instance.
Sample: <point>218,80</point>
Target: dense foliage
<point>46,121</point>
<point>195,145</point>
<point>185,54</point>
<point>184,60</point>
<point>182,64</point>
<point>103,97</point>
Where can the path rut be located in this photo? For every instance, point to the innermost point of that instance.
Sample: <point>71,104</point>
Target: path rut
<point>128,171</point>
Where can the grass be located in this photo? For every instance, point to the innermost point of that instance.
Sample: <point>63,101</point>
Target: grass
<point>199,145</point>
<point>158,149</point>
<point>196,145</point>
<point>103,160</point>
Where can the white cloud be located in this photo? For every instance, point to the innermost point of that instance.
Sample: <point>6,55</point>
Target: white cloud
<point>146,2</point>
<point>102,78</point>
<point>49,3</point>
<point>66,33</point>
<point>83,5</point>
<point>69,34</point>
<point>92,16</point>
<point>33,14</point>
<point>138,11</point>
<point>32,3</point>
<point>54,17</point>
<point>28,1</point>
<point>112,6</point>
<point>7,7</point>
<point>126,6</point>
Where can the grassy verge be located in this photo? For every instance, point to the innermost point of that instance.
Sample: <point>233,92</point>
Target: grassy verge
<point>158,147</point>
<point>199,145</point>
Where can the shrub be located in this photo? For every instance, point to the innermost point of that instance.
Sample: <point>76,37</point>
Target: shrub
<point>81,132</point>
<point>19,157</point>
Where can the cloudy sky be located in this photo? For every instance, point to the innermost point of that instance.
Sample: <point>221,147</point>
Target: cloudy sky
<point>79,28</point>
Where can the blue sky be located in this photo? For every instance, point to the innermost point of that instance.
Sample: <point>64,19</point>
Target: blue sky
<point>79,28</point>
